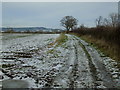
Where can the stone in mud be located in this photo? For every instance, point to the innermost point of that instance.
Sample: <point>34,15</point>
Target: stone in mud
<point>9,75</point>
<point>25,76</point>
<point>15,84</point>
<point>115,73</point>
<point>47,85</point>
<point>1,77</point>
<point>115,76</point>
<point>4,71</point>
<point>29,74</point>
<point>56,85</point>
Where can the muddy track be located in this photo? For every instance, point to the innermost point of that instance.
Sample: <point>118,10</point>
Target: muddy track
<point>73,75</point>
<point>75,70</point>
<point>91,65</point>
<point>100,74</point>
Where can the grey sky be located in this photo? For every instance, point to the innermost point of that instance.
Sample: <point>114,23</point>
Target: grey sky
<point>49,14</point>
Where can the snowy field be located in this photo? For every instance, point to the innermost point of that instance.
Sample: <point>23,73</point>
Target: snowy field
<point>34,61</point>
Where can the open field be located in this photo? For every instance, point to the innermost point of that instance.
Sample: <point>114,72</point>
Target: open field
<point>40,61</point>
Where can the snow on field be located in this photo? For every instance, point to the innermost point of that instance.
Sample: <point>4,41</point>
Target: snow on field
<point>24,55</point>
<point>26,42</point>
<point>36,60</point>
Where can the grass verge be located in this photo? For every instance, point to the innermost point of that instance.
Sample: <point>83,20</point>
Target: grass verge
<point>61,39</point>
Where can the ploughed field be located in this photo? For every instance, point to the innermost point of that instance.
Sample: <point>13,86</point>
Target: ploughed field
<point>37,61</point>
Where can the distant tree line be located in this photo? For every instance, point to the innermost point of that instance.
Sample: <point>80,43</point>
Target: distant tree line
<point>11,30</point>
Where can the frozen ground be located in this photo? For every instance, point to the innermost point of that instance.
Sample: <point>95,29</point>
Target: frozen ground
<point>36,61</point>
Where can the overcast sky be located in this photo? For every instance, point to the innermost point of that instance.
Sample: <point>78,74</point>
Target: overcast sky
<point>49,14</point>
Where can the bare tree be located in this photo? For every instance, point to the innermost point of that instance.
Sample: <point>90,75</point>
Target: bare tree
<point>99,21</point>
<point>118,20</point>
<point>114,19</point>
<point>106,22</point>
<point>69,22</point>
<point>82,26</point>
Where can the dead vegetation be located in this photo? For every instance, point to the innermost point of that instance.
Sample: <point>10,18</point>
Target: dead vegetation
<point>61,39</point>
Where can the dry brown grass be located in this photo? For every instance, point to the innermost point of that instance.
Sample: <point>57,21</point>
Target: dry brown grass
<point>109,50</point>
<point>61,39</point>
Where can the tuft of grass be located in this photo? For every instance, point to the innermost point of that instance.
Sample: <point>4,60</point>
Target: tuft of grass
<point>50,51</point>
<point>61,39</point>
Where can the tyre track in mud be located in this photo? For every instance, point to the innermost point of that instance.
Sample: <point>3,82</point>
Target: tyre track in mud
<point>91,65</point>
<point>100,74</point>
<point>75,70</point>
<point>65,78</point>
<point>75,73</point>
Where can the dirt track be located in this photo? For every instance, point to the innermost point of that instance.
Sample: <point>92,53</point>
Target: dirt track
<point>90,67</point>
